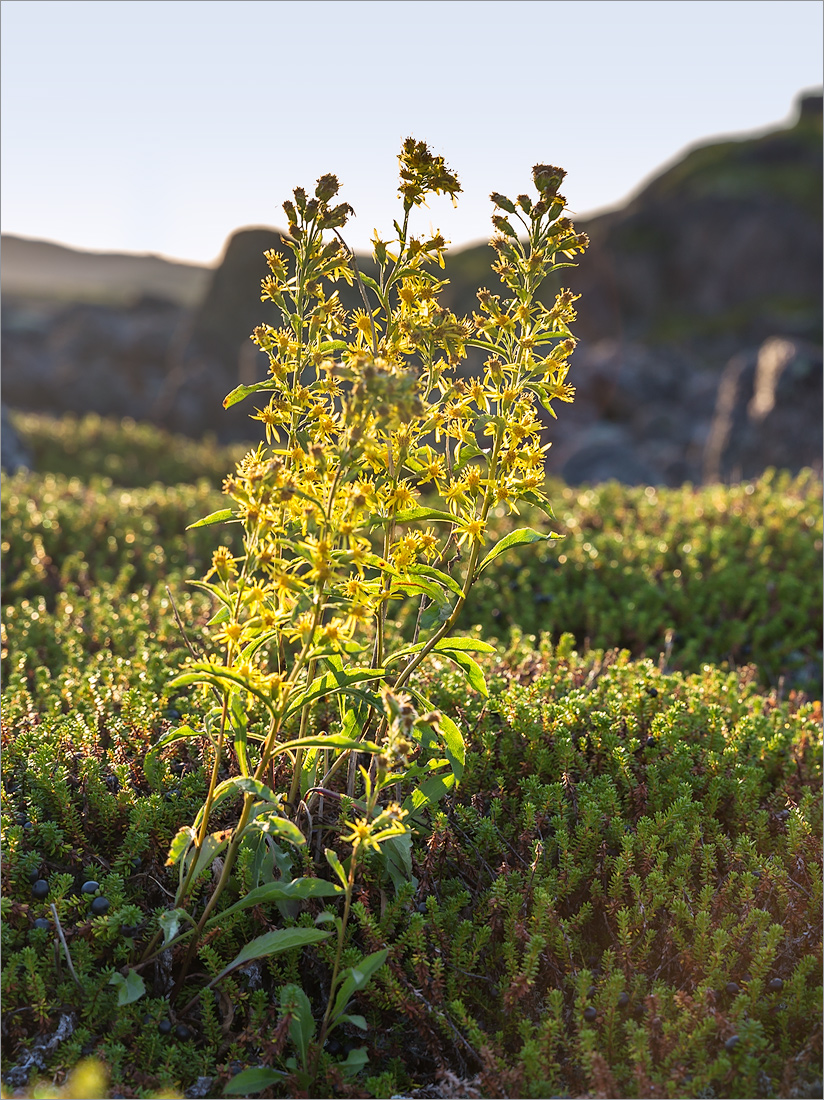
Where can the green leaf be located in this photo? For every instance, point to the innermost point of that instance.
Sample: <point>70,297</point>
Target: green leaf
<point>213,845</point>
<point>474,672</point>
<point>252,1080</point>
<point>179,734</point>
<point>453,744</point>
<point>416,586</point>
<point>220,677</point>
<point>445,646</point>
<point>429,792</point>
<point>330,682</point>
<point>272,943</point>
<point>356,1059</point>
<point>302,1025</point>
<point>356,1021</point>
<point>328,741</point>
<point>357,977</point>
<point>467,645</point>
<point>337,866</point>
<point>413,514</point>
<point>181,843</point>
<point>222,516</point>
<point>131,988</point>
<point>169,922</point>
<point>239,724</point>
<point>213,588</point>
<point>222,615</point>
<point>239,392</point>
<point>396,854</point>
<point>275,825</point>
<point>437,575</point>
<point>515,538</point>
<point>296,890</point>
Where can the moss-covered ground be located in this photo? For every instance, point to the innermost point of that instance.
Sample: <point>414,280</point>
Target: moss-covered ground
<point>623,896</point>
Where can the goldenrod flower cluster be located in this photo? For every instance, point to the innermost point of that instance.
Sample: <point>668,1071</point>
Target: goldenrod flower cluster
<point>382,462</point>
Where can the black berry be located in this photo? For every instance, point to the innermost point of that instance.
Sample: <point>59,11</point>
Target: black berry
<point>732,1042</point>
<point>90,887</point>
<point>164,1027</point>
<point>100,906</point>
<point>40,889</point>
<point>41,922</point>
<point>775,985</point>
<point>182,1032</point>
<point>623,1000</point>
<point>590,1013</point>
<point>732,988</point>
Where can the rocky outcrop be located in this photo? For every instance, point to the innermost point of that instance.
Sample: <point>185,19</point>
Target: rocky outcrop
<point>725,246</point>
<point>88,358</point>
<point>689,293</point>
<point>213,352</point>
<point>768,412</point>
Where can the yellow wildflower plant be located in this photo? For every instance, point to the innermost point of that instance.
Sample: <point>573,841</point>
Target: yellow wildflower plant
<point>374,486</point>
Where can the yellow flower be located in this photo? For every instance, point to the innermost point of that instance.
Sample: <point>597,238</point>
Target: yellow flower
<point>401,496</point>
<point>471,529</point>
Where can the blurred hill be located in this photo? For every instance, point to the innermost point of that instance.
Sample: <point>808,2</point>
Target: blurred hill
<point>700,322</point>
<point>42,270</point>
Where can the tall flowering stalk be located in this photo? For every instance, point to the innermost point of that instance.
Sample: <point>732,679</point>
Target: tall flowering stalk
<point>380,468</point>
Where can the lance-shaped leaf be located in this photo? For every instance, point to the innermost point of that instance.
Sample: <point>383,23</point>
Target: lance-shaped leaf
<point>520,537</point>
<point>355,978</point>
<point>250,1081</point>
<point>239,784</point>
<point>336,865</point>
<point>213,588</point>
<point>220,677</point>
<point>170,922</point>
<point>327,741</point>
<point>239,392</point>
<point>239,722</point>
<point>443,645</point>
<point>412,515</point>
<point>429,792</point>
<point>298,889</point>
<point>437,575</point>
<point>295,1004</point>
<point>179,734</point>
<point>474,672</point>
<point>414,586</point>
<point>272,943</point>
<point>222,516</point>
<point>330,682</point>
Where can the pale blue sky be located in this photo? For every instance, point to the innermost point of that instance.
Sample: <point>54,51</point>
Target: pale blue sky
<point>162,126</point>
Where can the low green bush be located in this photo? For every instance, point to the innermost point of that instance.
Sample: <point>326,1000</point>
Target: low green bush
<point>710,575</point>
<point>133,455</point>
<point>623,897</point>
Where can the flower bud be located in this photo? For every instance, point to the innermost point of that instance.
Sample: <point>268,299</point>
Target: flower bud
<point>547,178</point>
<point>503,202</point>
<point>503,226</point>
<point>327,188</point>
